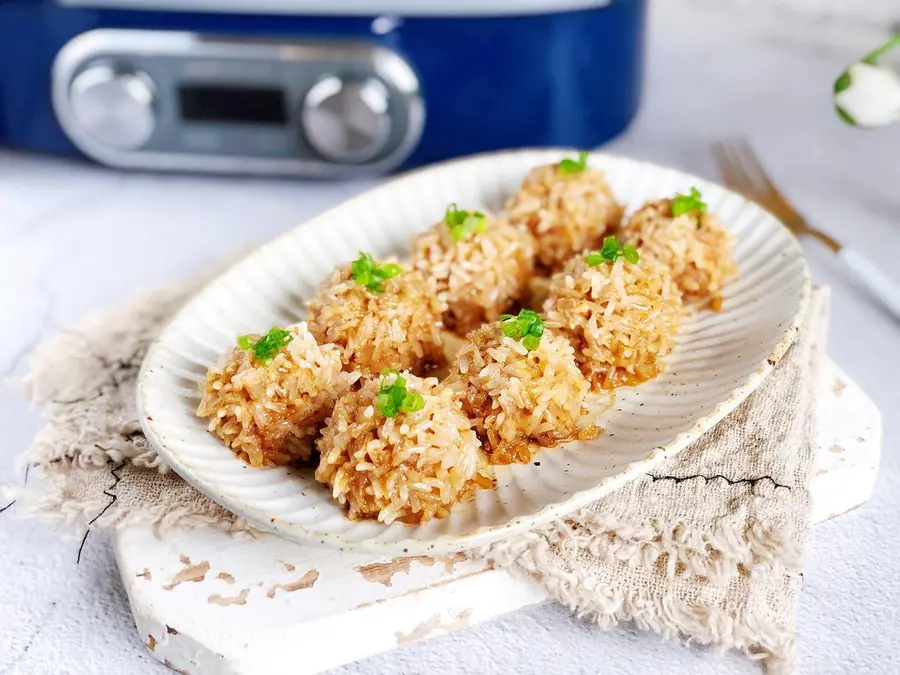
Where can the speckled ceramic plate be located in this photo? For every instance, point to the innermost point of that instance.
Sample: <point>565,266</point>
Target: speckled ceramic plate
<point>719,358</point>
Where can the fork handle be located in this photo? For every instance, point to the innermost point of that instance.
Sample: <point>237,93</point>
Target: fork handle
<point>884,289</point>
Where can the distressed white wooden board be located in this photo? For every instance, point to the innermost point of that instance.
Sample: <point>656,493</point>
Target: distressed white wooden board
<point>849,446</point>
<point>210,603</point>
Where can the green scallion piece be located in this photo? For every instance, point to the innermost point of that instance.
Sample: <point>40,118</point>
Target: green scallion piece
<point>266,347</point>
<point>612,250</point>
<point>413,402</point>
<point>393,397</point>
<point>463,224</point>
<point>531,342</point>
<point>527,327</point>
<point>689,203</point>
<point>569,166</point>
<point>366,272</point>
<point>630,254</point>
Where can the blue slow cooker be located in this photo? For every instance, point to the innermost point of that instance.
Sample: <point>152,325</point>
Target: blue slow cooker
<point>310,87</point>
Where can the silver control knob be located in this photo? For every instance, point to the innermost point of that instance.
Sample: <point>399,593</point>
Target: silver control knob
<point>347,120</point>
<point>114,107</point>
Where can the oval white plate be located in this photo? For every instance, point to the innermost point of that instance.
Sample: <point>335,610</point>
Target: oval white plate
<point>719,358</point>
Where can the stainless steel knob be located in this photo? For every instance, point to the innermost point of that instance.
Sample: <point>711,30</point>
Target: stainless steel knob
<point>347,120</point>
<point>114,107</point>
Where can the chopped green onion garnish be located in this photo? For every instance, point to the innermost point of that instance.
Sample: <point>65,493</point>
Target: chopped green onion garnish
<point>265,348</point>
<point>531,342</point>
<point>394,398</point>
<point>612,250</point>
<point>366,272</point>
<point>463,224</point>
<point>412,403</point>
<point>689,203</point>
<point>570,166</point>
<point>527,327</point>
<point>630,254</point>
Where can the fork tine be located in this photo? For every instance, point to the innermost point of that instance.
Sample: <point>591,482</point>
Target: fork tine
<point>732,171</point>
<point>718,153</point>
<point>753,166</point>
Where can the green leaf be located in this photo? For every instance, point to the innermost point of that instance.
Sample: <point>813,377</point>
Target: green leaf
<point>569,166</point>
<point>245,342</point>
<point>688,203</point>
<point>594,258</point>
<point>844,115</point>
<point>843,82</point>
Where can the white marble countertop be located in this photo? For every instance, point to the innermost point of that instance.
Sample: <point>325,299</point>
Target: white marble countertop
<point>76,238</point>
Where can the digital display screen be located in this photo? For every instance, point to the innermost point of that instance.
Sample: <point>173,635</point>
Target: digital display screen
<point>248,105</point>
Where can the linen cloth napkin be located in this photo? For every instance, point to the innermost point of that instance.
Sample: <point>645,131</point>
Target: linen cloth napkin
<point>707,548</point>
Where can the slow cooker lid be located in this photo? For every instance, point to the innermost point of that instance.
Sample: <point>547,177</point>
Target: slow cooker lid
<point>447,8</point>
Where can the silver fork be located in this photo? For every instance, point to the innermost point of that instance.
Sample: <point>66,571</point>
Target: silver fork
<point>743,172</point>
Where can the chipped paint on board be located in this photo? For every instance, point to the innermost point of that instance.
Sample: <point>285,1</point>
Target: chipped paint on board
<point>383,572</point>
<point>190,573</point>
<point>224,601</point>
<point>306,581</point>
<point>432,625</point>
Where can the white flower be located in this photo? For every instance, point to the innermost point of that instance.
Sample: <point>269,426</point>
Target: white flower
<point>868,95</point>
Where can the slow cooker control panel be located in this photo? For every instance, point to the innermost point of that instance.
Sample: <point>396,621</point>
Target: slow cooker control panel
<point>173,100</point>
